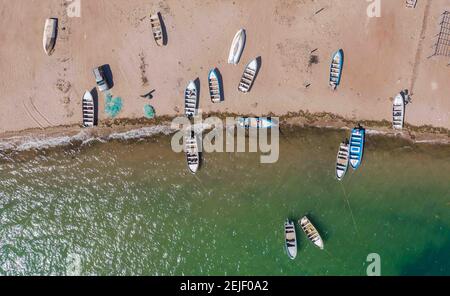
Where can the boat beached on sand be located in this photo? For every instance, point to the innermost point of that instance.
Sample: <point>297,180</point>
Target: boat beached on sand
<point>357,146</point>
<point>290,239</point>
<point>158,33</point>
<point>342,160</point>
<point>336,69</point>
<point>311,232</point>
<point>398,112</point>
<point>50,33</point>
<point>257,122</point>
<point>248,78</point>
<point>192,151</point>
<point>215,86</point>
<point>88,110</point>
<point>237,47</point>
<point>191,100</point>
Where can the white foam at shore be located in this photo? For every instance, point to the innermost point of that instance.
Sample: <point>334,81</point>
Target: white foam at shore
<point>84,137</point>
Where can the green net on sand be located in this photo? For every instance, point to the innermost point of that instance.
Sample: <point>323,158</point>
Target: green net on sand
<point>113,106</point>
<point>149,111</point>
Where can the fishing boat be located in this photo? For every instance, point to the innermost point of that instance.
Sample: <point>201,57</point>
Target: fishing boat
<point>342,160</point>
<point>311,232</point>
<point>248,78</point>
<point>257,122</point>
<point>157,29</point>
<point>398,112</point>
<point>290,239</point>
<point>192,152</point>
<point>88,110</point>
<point>50,33</point>
<point>237,47</point>
<point>357,146</point>
<point>215,86</point>
<point>191,99</point>
<point>336,68</point>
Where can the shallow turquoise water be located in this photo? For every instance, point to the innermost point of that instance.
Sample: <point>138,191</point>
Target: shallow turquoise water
<point>132,208</point>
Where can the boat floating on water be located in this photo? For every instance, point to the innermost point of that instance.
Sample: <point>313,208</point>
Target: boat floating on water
<point>237,47</point>
<point>248,78</point>
<point>191,99</point>
<point>215,86</point>
<point>50,34</point>
<point>311,232</point>
<point>342,160</point>
<point>88,110</point>
<point>193,155</point>
<point>357,141</point>
<point>398,112</point>
<point>290,239</point>
<point>157,29</point>
<point>257,122</point>
<point>336,68</point>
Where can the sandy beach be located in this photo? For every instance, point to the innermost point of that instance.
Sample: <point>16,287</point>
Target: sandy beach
<point>294,38</point>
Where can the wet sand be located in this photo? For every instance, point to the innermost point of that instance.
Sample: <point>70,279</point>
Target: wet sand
<point>382,56</point>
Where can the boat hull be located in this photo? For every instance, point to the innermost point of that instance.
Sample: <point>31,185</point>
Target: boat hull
<point>215,86</point>
<point>88,110</point>
<point>191,100</point>
<point>50,34</point>
<point>290,239</point>
<point>257,122</point>
<point>398,112</point>
<point>357,142</point>
<point>342,161</point>
<point>337,64</point>
<point>311,232</point>
<point>193,155</point>
<point>249,76</point>
<point>237,47</point>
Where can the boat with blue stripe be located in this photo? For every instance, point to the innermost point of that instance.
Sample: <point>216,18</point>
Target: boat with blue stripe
<point>257,122</point>
<point>337,64</point>
<point>357,141</point>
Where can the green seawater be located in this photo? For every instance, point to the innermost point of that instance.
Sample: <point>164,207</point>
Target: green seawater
<point>132,208</point>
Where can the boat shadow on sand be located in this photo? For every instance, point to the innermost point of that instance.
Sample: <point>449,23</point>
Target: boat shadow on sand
<point>165,36</point>
<point>198,86</point>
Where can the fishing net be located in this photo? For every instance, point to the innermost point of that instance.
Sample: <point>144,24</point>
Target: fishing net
<point>113,106</point>
<point>149,111</point>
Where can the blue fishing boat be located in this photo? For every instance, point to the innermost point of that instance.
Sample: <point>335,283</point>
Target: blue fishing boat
<point>215,86</point>
<point>357,146</point>
<point>337,64</point>
<point>257,122</point>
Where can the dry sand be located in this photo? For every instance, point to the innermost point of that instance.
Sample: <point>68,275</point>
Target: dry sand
<point>382,56</point>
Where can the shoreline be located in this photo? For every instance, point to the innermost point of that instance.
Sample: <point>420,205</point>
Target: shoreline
<point>129,129</point>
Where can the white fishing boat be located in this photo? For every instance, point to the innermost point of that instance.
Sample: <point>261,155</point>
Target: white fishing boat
<point>215,86</point>
<point>290,239</point>
<point>88,110</point>
<point>192,151</point>
<point>50,34</point>
<point>248,78</point>
<point>342,160</point>
<point>157,29</point>
<point>237,47</point>
<point>398,112</point>
<point>311,232</point>
<point>191,99</point>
